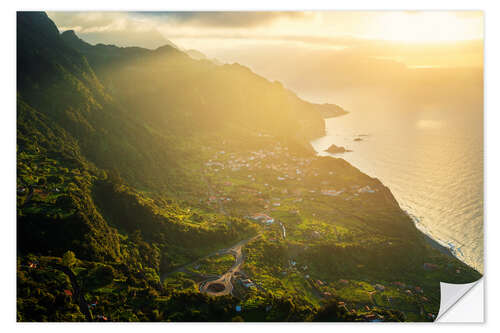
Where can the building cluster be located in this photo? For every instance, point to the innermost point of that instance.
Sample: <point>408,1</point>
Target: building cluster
<point>277,159</point>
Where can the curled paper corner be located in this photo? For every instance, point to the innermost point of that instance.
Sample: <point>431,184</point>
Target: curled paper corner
<point>457,306</point>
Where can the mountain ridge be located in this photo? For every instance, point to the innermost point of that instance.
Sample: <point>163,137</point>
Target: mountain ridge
<point>131,169</point>
<point>95,57</point>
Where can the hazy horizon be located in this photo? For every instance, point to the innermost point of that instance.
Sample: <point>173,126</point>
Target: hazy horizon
<point>397,60</point>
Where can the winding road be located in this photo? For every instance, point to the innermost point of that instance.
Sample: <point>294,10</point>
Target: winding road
<point>223,285</point>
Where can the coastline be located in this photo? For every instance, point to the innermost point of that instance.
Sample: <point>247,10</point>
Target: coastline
<point>433,242</point>
<point>443,249</point>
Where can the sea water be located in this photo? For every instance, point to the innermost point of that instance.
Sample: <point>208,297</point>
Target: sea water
<point>433,163</point>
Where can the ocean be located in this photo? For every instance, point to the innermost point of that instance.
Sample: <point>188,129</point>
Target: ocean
<point>432,161</point>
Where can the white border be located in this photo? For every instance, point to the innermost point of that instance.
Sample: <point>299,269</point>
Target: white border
<point>7,121</point>
<point>468,309</point>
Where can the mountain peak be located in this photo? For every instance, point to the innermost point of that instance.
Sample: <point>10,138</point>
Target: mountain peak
<point>167,48</point>
<point>69,33</point>
<point>72,39</point>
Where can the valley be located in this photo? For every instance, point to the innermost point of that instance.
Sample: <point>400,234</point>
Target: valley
<point>184,190</point>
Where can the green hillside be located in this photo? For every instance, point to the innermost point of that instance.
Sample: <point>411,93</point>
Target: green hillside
<point>149,166</point>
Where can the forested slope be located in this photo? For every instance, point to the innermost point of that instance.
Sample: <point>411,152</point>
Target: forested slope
<point>139,162</point>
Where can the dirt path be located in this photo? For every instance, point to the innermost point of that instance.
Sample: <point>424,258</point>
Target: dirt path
<point>283,230</point>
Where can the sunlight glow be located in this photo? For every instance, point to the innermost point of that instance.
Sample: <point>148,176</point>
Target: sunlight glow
<point>417,27</point>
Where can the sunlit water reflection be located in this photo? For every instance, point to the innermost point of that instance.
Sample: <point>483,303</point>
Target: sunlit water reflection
<point>432,162</point>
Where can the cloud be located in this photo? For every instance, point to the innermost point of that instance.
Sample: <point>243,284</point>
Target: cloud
<point>117,28</point>
<point>147,29</point>
<point>312,55</point>
<point>469,14</point>
<point>365,75</point>
<point>467,53</point>
<point>225,19</point>
<point>150,29</point>
<point>91,21</point>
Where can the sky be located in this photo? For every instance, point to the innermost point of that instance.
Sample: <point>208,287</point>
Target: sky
<point>324,56</point>
<point>211,32</point>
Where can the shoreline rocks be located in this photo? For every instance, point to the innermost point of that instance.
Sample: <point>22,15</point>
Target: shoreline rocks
<point>333,149</point>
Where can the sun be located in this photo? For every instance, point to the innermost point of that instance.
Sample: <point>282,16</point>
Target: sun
<point>429,27</point>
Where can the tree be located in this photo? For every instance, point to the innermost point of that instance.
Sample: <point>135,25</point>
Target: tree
<point>114,177</point>
<point>64,201</point>
<point>69,258</point>
<point>104,274</point>
<point>55,179</point>
<point>331,312</point>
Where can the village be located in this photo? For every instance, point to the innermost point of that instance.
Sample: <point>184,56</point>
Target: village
<point>273,187</point>
<point>267,179</point>
<point>297,204</point>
